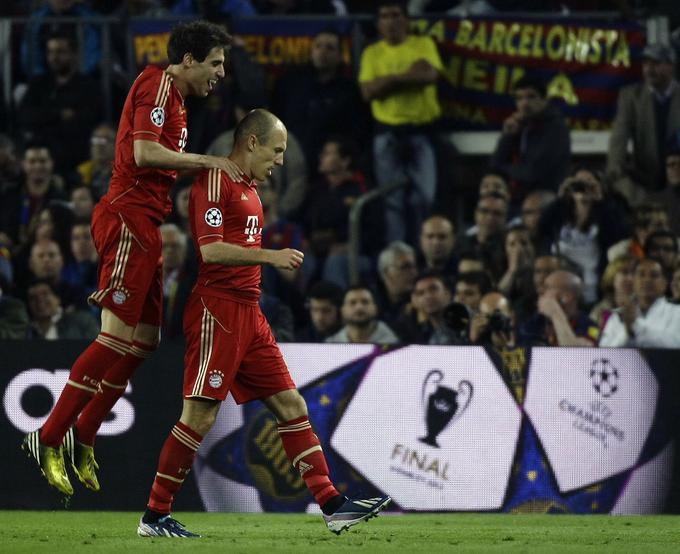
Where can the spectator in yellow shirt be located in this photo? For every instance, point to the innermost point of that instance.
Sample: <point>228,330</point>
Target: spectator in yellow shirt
<point>398,75</point>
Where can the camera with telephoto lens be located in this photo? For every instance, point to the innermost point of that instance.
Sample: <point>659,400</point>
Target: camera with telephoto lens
<point>499,323</point>
<point>457,318</point>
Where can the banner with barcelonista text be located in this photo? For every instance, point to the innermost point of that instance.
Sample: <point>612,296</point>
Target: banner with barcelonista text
<point>584,62</point>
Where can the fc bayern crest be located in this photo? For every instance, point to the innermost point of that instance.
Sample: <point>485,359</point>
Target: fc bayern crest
<point>213,217</point>
<point>158,116</point>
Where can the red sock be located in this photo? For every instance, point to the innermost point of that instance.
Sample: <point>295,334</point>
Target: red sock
<point>304,451</point>
<point>82,385</point>
<point>174,465</point>
<point>112,387</point>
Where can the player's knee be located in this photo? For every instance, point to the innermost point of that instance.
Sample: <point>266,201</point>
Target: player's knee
<point>287,405</point>
<point>147,335</point>
<point>199,415</point>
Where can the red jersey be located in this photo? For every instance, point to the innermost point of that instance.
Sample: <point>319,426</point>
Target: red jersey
<point>221,209</point>
<point>154,110</point>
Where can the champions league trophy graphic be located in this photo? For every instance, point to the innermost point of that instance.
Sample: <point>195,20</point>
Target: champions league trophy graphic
<point>442,405</point>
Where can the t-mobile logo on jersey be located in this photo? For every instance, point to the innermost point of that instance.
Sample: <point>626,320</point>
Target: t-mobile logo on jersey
<point>252,228</point>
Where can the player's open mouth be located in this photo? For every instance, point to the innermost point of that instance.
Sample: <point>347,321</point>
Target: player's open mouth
<point>211,84</point>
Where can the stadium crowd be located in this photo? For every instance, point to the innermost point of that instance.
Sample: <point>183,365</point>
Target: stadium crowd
<point>550,253</point>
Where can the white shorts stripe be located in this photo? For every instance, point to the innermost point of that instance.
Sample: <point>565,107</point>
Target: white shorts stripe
<point>205,352</point>
<point>122,254</point>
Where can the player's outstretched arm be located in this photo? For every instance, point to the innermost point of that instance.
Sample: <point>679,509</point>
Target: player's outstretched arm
<point>152,154</point>
<point>231,254</point>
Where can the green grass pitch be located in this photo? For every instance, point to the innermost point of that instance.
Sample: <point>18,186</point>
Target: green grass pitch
<point>66,532</point>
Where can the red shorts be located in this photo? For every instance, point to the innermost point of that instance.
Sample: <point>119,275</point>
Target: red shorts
<point>130,279</point>
<point>230,347</point>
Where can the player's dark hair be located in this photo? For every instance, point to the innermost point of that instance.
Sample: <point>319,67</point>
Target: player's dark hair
<point>197,38</point>
<point>533,82</point>
<point>258,122</point>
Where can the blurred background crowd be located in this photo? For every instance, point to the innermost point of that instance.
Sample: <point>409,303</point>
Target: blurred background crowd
<point>534,246</point>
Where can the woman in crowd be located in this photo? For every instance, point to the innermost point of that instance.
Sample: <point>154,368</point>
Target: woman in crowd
<point>581,225</point>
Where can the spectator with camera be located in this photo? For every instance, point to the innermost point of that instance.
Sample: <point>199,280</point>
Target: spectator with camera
<point>559,320</point>
<point>494,323</point>
<point>647,318</point>
<point>581,225</point>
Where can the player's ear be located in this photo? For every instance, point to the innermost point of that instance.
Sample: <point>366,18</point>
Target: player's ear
<point>252,143</point>
<point>188,58</point>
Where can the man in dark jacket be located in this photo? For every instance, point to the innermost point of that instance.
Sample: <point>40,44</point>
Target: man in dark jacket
<point>534,147</point>
<point>61,107</point>
<point>318,101</point>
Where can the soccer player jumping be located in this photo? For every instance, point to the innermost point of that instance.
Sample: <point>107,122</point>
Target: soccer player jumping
<point>152,134</point>
<point>230,346</point>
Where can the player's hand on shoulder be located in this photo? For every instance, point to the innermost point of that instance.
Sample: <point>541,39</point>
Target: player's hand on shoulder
<point>288,258</point>
<point>226,165</point>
